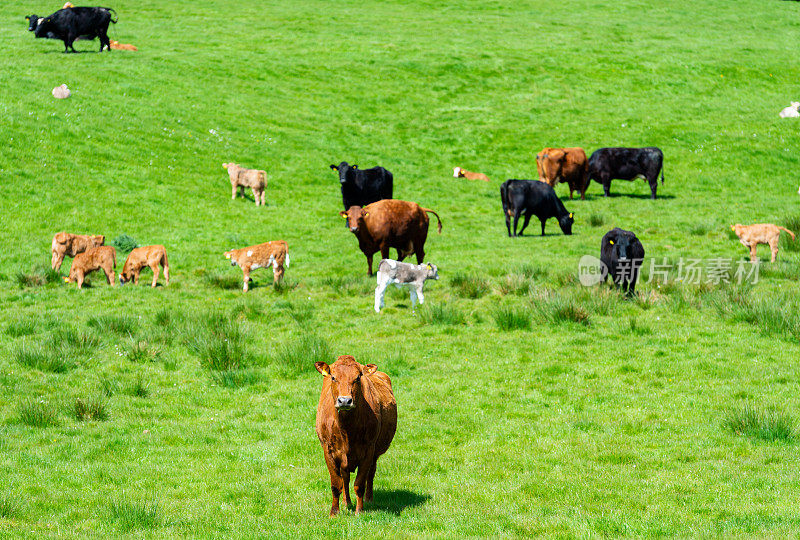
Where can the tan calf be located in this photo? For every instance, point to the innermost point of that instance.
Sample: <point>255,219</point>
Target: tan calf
<point>250,258</point>
<point>103,257</point>
<point>458,172</point>
<point>150,256</point>
<point>247,178</point>
<point>69,245</point>
<point>763,233</point>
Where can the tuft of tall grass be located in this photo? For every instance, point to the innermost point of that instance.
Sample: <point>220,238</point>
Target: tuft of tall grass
<point>557,309</point>
<point>139,388</point>
<point>124,243</point>
<point>298,356</point>
<point>441,314</point>
<point>141,351</point>
<point>119,324</point>
<point>507,319</point>
<point>234,378</point>
<point>49,360</point>
<point>75,342</point>
<point>638,329</point>
<point>515,284</point>
<point>596,220</point>
<point>37,414</point>
<point>90,409</point>
<point>302,313</point>
<point>108,387</point>
<point>533,270</point>
<point>21,327</point>
<point>223,280</point>
<point>469,286</point>
<point>218,341</point>
<point>8,508</point>
<point>37,276</point>
<point>793,224</point>
<point>764,424</point>
<point>130,515</point>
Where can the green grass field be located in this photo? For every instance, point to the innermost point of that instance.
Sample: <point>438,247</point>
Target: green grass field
<point>528,404</point>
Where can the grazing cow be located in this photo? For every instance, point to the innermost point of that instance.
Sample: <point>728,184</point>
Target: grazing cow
<point>390,223</point>
<point>791,111</point>
<point>261,256</point>
<point>73,23</point>
<point>622,254</point>
<point>242,178</point>
<point>531,197</point>
<point>69,245</point>
<point>607,164</point>
<point>360,188</point>
<point>103,257</point>
<point>458,172</point>
<point>564,165</point>
<point>403,274</point>
<point>150,256</point>
<point>356,422</point>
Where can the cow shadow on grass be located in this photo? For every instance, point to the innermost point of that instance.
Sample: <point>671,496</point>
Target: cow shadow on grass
<point>631,196</point>
<point>397,500</point>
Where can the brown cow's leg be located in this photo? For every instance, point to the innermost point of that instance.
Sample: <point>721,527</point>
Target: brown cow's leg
<point>753,256</point>
<point>263,197</point>
<point>246,275</point>
<point>336,484</point>
<point>109,274</point>
<point>166,270</point>
<point>773,246</point>
<point>136,277</point>
<point>255,196</point>
<point>369,264</point>
<point>80,280</point>
<point>346,485</point>
<point>420,253</point>
<point>370,479</point>
<point>277,274</point>
<point>385,253</point>
<point>155,270</point>
<point>233,192</point>
<point>360,483</point>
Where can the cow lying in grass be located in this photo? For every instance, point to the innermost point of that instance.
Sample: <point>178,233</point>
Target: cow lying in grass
<point>149,256</point>
<point>458,172</point>
<point>70,245</point>
<point>261,256</point>
<point>403,274</point>
<point>242,178</point>
<point>622,253</point>
<point>103,257</point>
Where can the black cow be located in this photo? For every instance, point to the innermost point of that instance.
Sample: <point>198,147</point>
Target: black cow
<point>622,254</point>
<point>533,197</point>
<point>73,23</point>
<point>607,164</point>
<point>360,188</point>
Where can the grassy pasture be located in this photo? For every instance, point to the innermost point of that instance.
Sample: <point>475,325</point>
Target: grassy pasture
<point>528,404</point>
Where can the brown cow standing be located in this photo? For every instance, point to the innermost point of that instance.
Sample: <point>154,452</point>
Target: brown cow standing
<point>564,165</point>
<point>150,256</point>
<point>356,421</point>
<point>69,245</point>
<point>103,257</point>
<point>274,253</point>
<point>390,223</point>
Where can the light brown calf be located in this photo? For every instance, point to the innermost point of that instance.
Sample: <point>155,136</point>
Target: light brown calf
<point>69,245</point>
<point>458,172</point>
<point>244,178</point>
<point>103,257</point>
<point>123,46</point>
<point>150,256</point>
<point>763,233</point>
<point>250,258</point>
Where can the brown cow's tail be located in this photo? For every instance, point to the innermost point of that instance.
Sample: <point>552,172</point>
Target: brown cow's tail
<point>437,217</point>
<point>165,261</point>
<point>787,230</point>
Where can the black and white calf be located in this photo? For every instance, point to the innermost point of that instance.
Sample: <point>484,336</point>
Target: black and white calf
<point>403,274</point>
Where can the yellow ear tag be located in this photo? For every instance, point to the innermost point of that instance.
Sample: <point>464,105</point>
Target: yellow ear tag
<point>325,373</point>
<point>66,280</point>
<point>227,255</point>
<point>344,216</point>
<point>570,214</point>
<point>366,214</point>
<point>611,242</point>
<point>429,267</point>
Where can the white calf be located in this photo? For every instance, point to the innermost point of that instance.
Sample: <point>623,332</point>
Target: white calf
<point>403,274</point>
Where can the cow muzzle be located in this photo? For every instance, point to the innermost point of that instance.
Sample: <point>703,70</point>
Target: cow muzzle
<point>344,403</point>
<point>353,230</point>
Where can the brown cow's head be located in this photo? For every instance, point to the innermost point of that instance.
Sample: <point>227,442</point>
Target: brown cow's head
<point>345,376</point>
<point>354,215</point>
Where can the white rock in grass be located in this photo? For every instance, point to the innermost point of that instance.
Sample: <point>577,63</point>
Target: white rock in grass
<point>61,92</point>
<point>791,111</point>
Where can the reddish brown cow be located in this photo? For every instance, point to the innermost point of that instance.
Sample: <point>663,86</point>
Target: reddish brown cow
<point>356,421</point>
<point>390,223</point>
<point>69,245</point>
<point>564,165</point>
<point>99,258</point>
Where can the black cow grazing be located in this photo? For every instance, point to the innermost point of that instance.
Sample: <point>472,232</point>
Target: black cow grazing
<point>607,164</point>
<point>622,254</point>
<point>533,197</point>
<point>69,24</point>
<point>360,188</point>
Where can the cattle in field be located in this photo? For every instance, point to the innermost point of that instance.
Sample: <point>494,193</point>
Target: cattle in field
<point>607,164</point>
<point>362,187</point>
<point>73,23</point>
<point>274,254</point>
<point>242,178</point>
<point>356,422</point>
<point>390,223</point>
<point>403,274</point>
<point>792,111</point>
<point>458,172</point>
<point>564,165</point>
<point>116,45</point>
<point>69,245</point>
<point>141,257</point>
<point>532,198</point>
<point>98,258</point>
<point>622,254</point>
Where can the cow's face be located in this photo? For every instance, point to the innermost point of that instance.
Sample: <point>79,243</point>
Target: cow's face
<point>566,223</point>
<point>231,255</point>
<point>345,383</point>
<point>622,244</point>
<point>433,272</point>
<point>343,168</point>
<point>354,216</point>
<point>33,21</point>
<point>125,276</point>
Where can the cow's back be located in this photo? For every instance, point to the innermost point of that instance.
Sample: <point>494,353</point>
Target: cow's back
<point>395,219</point>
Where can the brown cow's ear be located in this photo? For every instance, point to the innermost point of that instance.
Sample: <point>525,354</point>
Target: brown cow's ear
<point>369,369</point>
<point>323,368</point>
<point>343,214</point>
